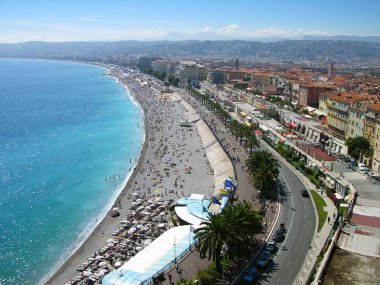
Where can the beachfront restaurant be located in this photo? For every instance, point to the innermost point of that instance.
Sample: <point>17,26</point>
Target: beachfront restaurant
<point>151,263</point>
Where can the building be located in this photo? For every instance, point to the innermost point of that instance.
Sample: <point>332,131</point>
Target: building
<point>163,66</point>
<point>191,73</point>
<point>145,62</point>
<point>337,113</point>
<point>355,124</point>
<point>218,77</point>
<point>372,133</point>
<point>309,93</point>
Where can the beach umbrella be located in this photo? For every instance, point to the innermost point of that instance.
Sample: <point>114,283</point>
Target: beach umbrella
<point>139,248</point>
<point>100,274</point>
<point>124,222</point>
<point>115,209</point>
<point>87,273</point>
<point>138,200</point>
<point>139,226</point>
<point>99,257</point>
<point>135,222</point>
<point>162,213</point>
<point>103,263</point>
<point>148,241</point>
<point>117,264</point>
<point>157,199</point>
<point>161,226</point>
<point>110,240</point>
<point>147,208</point>
<point>135,194</point>
<point>131,231</point>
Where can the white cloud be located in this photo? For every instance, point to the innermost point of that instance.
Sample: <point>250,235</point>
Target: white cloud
<point>236,30</point>
<point>22,30</point>
<point>207,29</point>
<point>231,30</point>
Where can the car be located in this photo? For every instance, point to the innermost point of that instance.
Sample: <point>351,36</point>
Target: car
<point>279,235</point>
<point>250,275</point>
<point>270,246</point>
<point>304,193</point>
<point>362,167</point>
<point>263,259</point>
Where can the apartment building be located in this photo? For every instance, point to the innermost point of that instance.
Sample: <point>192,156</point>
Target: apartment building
<point>355,125</point>
<point>191,73</point>
<point>372,133</point>
<point>164,66</point>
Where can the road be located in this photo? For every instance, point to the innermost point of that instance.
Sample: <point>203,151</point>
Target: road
<point>296,211</point>
<point>298,215</point>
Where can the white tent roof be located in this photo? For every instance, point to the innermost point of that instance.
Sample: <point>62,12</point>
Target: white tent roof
<point>197,196</point>
<point>152,259</point>
<point>184,214</point>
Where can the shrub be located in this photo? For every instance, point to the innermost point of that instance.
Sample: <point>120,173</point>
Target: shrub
<point>207,276</point>
<point>314,181</point>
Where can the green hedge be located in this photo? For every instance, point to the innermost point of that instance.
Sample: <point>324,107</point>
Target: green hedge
<point>320,204</point>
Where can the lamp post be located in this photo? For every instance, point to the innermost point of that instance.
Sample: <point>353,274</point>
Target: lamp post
<point>175,255</point>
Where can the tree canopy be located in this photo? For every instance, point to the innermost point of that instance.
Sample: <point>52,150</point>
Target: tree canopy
<point>357,146</point>
<point>234,228</point>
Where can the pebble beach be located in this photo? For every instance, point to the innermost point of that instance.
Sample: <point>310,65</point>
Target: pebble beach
<point>173,163</point>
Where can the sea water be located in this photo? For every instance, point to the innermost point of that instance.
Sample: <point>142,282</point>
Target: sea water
<point>68,137</point>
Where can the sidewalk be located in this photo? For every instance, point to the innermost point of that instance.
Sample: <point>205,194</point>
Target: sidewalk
<point>320,238</point>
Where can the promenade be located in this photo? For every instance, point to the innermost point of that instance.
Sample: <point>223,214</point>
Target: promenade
<point>192,263</point>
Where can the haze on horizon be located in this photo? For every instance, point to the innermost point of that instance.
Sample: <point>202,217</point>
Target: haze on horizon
<point>56,21</point>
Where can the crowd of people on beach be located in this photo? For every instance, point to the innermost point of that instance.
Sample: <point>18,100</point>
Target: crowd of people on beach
<point>147,219</point>
<point>163,176</point>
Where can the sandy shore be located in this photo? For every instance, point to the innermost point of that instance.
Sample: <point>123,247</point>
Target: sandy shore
<point>172,160</point>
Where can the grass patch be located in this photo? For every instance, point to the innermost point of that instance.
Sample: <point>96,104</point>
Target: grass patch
<point>319,203</point>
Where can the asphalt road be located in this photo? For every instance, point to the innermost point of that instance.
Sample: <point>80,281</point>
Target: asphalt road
<point>297,214</point>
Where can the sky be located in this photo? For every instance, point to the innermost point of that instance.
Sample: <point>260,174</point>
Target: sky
<point>83,20</point>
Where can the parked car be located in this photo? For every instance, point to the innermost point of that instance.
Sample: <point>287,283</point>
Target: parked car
<point>304,193</point>
<point>279,235</point>
<point>351,164</point>
<point>362,167</point>
<point>250,275</point>
<point>270,246</point>
<point>263,259</point>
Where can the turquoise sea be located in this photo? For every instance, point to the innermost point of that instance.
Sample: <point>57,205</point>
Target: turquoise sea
<point>64,128</point>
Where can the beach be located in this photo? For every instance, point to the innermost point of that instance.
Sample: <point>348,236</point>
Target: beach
<point>173,163</point>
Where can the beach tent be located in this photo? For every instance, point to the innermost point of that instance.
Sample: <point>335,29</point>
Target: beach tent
<point>159,255</point>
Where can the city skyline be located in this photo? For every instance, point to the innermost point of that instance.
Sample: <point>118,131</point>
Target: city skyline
<point>148,20</point>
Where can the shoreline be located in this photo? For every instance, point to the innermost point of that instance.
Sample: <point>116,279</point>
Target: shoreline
<point>50,277</point>
<point>170,147</point>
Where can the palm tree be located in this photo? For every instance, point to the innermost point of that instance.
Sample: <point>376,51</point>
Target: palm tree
<point>243,221</point>
<point>251,141</point>
<point>212,237</point>
<point>263,168</point>
<point>235,127</point>
<point>234,228</point>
